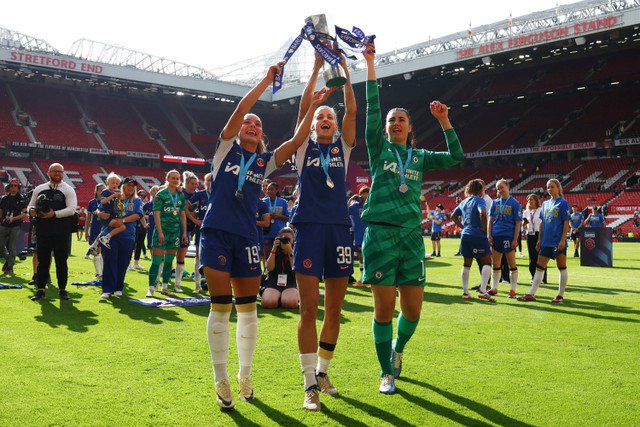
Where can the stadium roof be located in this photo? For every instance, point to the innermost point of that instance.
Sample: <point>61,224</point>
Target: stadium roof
<point>96,60</point>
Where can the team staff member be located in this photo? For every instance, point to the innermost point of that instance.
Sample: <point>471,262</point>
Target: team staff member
<point>576,221</point>
<point>393,248</point>
<point>505,219</point>
<point>553,240</point>
<point>199,201</point>
<point>12,210</point>
<point>53,227</point>
<point>171,225</point>
<point>595,219</point>
<point>473,240</point>
<point>229,251</point>
<point>436,229</point>
<point>532,222</point>
<point>118,254</point>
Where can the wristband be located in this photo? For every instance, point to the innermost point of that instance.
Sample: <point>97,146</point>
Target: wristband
<point>273,252</point>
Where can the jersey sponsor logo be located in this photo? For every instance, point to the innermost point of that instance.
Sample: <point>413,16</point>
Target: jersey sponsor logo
<point>222,260</point>
<point>307,263</point>
<point>260,162</point>
<point>313,162</point>
<point>390,166</point>
<point>234,169</point>
<point>335,150</point>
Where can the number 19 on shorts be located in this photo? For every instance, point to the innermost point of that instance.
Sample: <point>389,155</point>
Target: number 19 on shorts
<point>344,255</point>
<point>252,254</point>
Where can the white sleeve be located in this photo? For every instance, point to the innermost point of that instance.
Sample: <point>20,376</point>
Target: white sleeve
<point>70,199</point>
<point>346,149</point>
<point>300,155</point>
<point>223,148</point>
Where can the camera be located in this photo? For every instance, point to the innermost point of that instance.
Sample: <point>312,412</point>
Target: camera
<point>284,240</point>
<point>43,204</point>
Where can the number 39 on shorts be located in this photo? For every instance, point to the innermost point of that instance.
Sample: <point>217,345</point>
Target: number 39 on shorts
<point>344,255</point>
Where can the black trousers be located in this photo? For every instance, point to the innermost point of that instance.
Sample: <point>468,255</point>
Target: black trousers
<point>60,245</point>
<point>532,240</point>
<point>141,233</point>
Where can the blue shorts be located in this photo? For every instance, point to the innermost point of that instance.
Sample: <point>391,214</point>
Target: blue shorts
<point>502,244</point>
<point>357,241</point>
<point>551,252</point>
<point>323,250</point>
<point>150,237</point>
<point>474,247</point>
<point>93,235</point>
<point>185,245</point>
<point>225,251</point>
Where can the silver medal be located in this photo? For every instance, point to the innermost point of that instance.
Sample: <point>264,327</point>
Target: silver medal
<point>403,188</point>
<point>329,183</point>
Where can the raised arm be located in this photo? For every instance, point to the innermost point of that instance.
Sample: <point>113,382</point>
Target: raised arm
<point>350,108</point>
<point>234,124</point>
<point>307,94</point>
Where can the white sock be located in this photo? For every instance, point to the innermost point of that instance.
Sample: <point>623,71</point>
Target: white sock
<point>218,338</point>
<point>178,278</point>
<point>495,279</point>
<point>513,279</point>
<point>97,263</point>
<point>246,338</point>
<point>537,279</point>
<point>564,278</point>
<point>323,365</point>
<point>484,277</point>
<point>465,280</point>
<point>196,269</point>
<point>308,362</point>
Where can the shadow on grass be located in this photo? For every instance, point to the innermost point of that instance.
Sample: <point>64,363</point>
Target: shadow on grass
<point>66,314</point>
<point>376,411</point>
<point>576,307</point>
<point>237,418</point>
<point>484,411</point>
<point>154,315</point>
<point>274,415</point>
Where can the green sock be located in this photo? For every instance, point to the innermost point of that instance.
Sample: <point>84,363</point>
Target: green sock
<point>166,271</point>
<point>156,260</point>
<point>382,335</point>
<point>405,332</point>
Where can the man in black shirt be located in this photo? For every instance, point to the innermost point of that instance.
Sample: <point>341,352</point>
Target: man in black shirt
<point>53,204</point>
<point>12,210</point>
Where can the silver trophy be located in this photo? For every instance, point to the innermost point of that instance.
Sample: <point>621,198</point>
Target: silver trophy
<point>333,76</point>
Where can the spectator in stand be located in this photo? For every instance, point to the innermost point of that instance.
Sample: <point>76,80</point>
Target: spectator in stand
<point>576,221</point>
<point>141,232</point>
<point>437,218</point>
<point>280,282</point>
<point>552,243</point>
<point>118,254</point>
<point>595,219</point>
<point>356,205</point>
<point>54,212</point>
<point>93,228</point>
<point>471,217</point>
<point>200,203</point>
<point>12,210</point>
<point>605,210</point>
<point>278,213</point>
<point>82,219</point>
<point>505,219</point>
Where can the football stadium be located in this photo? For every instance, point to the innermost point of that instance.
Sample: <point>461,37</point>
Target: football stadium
<point>553,95</point>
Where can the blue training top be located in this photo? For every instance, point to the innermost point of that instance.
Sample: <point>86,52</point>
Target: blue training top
<point>553,214</point>
<point>596,220</point>
<point>435,227</point>
<point>469,210</point>
<point>318,202</point>
<point>504,214</point>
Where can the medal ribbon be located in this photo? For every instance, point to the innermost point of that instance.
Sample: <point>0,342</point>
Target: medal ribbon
<point>502,207</point>
<point>325,161</point>
<point>242,174</point>
<point>401,166</point>
<point>174,200</point>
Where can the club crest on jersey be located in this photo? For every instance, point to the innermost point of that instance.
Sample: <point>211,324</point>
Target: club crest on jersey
<point>222,260</point>
<point>335,150</point>
<point>378,275</point>
<point>415,160</point>
<point>307,263</point>
<point>260,162</point>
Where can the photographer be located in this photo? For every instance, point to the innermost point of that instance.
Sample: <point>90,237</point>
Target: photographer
<point>280,283</point>
<point>12,210</point>
<point>53,204</point>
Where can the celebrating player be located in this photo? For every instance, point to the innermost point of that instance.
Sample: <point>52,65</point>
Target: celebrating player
<point>229,251</point>
<point>393,249</point>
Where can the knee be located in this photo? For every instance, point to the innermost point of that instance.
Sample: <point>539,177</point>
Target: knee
<point>269,303</point>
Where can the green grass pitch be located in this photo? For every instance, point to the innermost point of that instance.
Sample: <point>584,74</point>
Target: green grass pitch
<point>94,362</point>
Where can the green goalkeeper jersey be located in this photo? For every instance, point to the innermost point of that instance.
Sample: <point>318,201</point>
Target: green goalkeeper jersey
<point>386,203</point>
<point>169,206</point>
